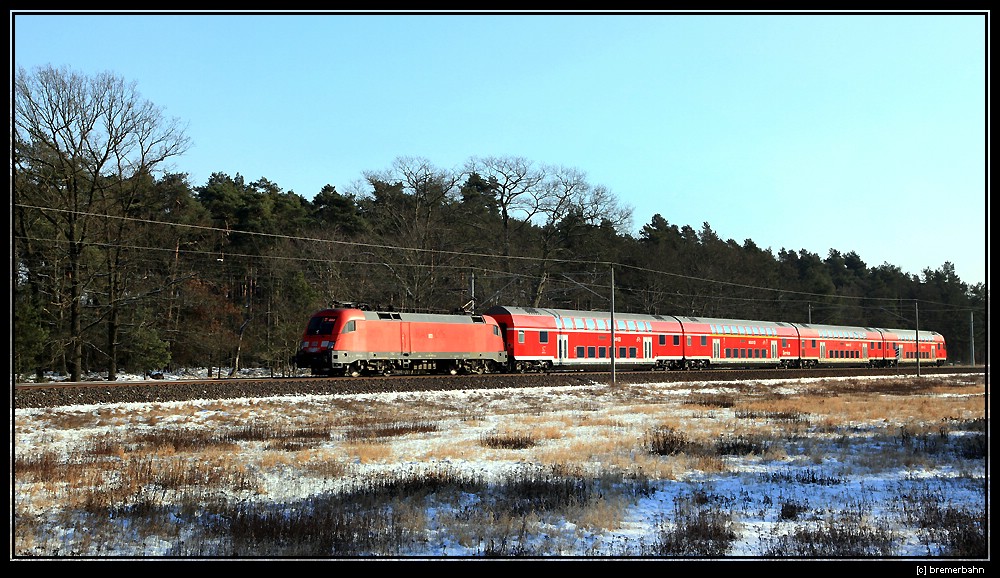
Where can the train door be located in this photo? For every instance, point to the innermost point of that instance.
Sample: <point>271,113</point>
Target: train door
<point>774,350</point>
<point>404,336</point>
<point>647,347</point>
<point>716,348</point>
<point>864,350</point>
<point>563,348</point>
<point>822,352</point>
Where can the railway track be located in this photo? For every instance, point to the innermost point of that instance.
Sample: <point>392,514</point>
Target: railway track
<point>103,392</point>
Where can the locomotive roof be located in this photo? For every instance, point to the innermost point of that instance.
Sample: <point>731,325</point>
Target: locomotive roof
<point>409,317</point>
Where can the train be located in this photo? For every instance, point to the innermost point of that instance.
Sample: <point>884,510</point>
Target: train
<point>353,341</point>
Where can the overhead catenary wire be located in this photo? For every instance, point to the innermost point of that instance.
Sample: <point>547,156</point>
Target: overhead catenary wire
<point>464,254</point>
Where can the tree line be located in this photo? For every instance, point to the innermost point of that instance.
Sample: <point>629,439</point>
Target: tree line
<point>122,265</point>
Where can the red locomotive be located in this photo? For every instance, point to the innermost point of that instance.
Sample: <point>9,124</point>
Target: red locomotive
<point>352,341</point>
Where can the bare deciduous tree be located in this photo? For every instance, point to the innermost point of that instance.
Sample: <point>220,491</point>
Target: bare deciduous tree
<point>83,150</point>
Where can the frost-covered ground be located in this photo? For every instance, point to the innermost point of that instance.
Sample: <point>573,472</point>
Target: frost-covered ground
<point>575,423</point>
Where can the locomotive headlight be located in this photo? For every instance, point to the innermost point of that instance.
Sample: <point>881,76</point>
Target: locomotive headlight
<point>325,344</point>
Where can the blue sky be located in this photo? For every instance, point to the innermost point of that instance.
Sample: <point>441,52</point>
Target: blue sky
<point>862,133</point>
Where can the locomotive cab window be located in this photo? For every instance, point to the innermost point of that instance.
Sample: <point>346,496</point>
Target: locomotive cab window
<point>350,326</point>
<point>321,325</point>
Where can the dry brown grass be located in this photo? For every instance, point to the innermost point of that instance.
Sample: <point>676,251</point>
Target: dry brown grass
<point>138,458</point>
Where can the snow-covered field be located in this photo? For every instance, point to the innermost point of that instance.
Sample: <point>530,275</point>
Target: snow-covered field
<point>870,457</point>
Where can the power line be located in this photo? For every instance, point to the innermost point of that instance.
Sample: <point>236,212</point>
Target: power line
<point>432,252</point>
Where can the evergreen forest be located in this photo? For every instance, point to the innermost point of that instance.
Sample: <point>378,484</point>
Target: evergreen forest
<point>120,264</point>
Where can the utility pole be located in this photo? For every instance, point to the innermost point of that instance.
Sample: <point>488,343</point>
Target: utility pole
<point>916,311</point>
<point>972,342</point>
<point>614,380</point>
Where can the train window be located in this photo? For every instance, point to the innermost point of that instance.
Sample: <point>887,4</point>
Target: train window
<point>600,324</point>
<point>663,339</point>
<point>704,340</point>
<point>591,324</point>
<point>631,325</point>
<point>814,343</point>
<point>591,351</point>
<point>677,340</point>
<point>350,326</point>
<point>579,351</point>
<point>579,323</point>
<point>520,336</point>
<point>631,352</point>
<point>543,336</point>
<point>558,322</point>
<point>756,330</point>
<point>321,325</point>
<point>784,343</point>
<point>496,330</point>
<point>602,352</point>
<point>728,352</point>
<point>621,353</point>
<point>764,353</point>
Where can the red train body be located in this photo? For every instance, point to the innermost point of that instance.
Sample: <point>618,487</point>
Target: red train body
<point>519,339</point>
<point>352,342</point>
